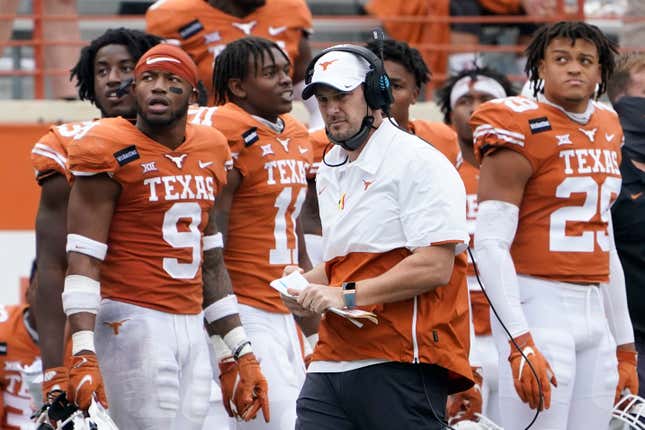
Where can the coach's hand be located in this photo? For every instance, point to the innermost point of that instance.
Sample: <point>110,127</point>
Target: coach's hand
<point>525,383</point>
<point>464,405</point>
<point>318,298</point>
<point>627,371</point>
<point>85,380</point>
<point>252,392</point>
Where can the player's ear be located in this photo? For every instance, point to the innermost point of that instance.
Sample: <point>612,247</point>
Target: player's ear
<point>415,94</point>
<point>541,69</point>
<point>236,88</point>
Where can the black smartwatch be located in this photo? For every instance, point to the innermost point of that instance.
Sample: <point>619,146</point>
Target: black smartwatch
<point>349,294</point>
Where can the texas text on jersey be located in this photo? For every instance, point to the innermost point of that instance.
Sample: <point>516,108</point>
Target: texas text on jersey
<point>203,31</point>
<point>577,164</point>
<point>274,167</point>
<point>155,234</point>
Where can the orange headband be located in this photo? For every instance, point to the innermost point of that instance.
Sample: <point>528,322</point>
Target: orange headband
<point>168,58</point>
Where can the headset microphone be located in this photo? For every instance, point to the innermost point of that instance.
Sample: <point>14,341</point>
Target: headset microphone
<point>124,87</point>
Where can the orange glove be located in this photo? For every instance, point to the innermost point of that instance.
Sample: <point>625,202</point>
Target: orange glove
<point>524,379</point>
<point>55,379</point>
<point>627,373</point>
<point>85,380</point>
<point>228,376</point>
<point>463,406</point>
<point>252,392</point>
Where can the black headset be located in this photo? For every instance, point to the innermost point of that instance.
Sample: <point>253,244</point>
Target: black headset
<point>378,92</point>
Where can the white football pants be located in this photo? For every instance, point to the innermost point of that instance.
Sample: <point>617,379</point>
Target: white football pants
<point>569,327</point>
<point>155,367</point>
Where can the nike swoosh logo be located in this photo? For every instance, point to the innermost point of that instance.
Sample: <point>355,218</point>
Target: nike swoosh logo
<point>274,31</point>
<point>635,196</point>
<point>154,60</point>
<point>82,362</point>
<point>609,137</point>
<point>302,150</point>
<point>85,379</point>
<point>204,164</point>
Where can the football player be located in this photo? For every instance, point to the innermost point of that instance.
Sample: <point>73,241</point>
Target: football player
<point>258,209</point>
<point>104,65</point>
<point>408,73</point>
<point>144,257</point>
<point>458,98</point>
<point>548,177</point>
<point>204,28</point>
<point>18,349</point>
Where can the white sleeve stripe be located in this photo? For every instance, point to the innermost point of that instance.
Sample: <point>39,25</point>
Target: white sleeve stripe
<point>79,173</point>
<point>49,155</point>
<point>489,127</point>
<point>499,136</point>
<point>52,151</point>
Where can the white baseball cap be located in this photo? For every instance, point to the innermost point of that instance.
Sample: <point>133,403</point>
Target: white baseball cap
<point>338,69</point>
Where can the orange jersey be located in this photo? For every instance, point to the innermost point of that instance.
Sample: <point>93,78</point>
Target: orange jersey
<point>562,230</point>
<point>203,31</point>
<point>261,238</point>
<point>440,136</point>
<point>155,240</point>
<point>49,154</point>
<point>17,350</point>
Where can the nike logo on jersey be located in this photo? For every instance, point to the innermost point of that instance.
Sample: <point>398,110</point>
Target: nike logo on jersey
<point>284,143</point>
<point>80,363</point>
<point>274,31</point>
<point>635,196</point>
<point>267,150</point>
<point>591,134</point>
<point>179,161</point>
<point>246,27</point>
<point>564,139</point>
<point>204,164</point>
<point>302,150</point>
<point>609,137</point>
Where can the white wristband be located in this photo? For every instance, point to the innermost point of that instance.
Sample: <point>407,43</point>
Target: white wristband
<point>85,245</point>
<point>82,341</point>
<point>238,342</point>
<point>222,308</point>
<point>220,349</point>
<point>213,241</point>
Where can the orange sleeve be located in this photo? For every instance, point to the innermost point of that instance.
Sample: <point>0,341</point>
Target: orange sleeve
<point>496,126</point>
<point>96,153</point>
<point>223,154</point>
<point>162,22</point>
<point>239,136</point>
<point>49,156</point>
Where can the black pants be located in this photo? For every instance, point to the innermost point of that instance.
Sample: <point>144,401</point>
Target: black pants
<point>390,396</point>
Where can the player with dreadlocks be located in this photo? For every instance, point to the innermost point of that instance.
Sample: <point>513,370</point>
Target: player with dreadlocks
<point>258,210</point>
<point>543,238</point>
<point>458,99</point>
<point>105,66</point>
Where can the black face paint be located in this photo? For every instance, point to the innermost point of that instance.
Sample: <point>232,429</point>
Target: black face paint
<point>176,90</point>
